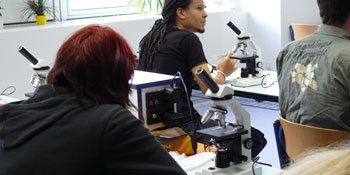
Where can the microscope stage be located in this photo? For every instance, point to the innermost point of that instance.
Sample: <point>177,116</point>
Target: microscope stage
<point>220,133</point>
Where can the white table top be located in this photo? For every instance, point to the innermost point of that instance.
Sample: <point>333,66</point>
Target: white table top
<point>258,90</point>
<point>5,99</point>
<point>193,164</point>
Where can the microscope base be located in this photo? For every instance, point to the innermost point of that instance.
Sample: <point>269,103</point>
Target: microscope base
<point>245,82</point>
<point>240,169</point>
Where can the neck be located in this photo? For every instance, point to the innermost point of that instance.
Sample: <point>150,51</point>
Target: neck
<point>179,25</point>
<point>346,25</point>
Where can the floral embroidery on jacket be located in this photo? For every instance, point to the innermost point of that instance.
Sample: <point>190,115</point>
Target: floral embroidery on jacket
<point>304,76</point>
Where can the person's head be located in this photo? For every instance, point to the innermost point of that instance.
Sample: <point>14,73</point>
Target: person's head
<point>334,12</point>
<point>185,14</point>
<point>332,160</point>
<point>97,63</point>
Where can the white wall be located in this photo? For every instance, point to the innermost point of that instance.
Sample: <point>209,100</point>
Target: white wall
<point>297,11</point>
<point>264,24</point>
<point>268,22</point>
<point>44,41</point>
<point>218,38</point>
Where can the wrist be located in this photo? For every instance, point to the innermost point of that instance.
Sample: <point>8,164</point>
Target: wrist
<point>221,73</point>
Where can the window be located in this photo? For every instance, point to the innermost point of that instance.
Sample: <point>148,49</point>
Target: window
<point>72,9</point>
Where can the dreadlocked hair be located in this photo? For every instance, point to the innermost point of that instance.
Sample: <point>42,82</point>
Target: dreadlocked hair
<point>151,43</point>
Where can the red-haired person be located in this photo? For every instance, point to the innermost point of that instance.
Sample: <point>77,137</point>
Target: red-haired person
<point>78,123</point>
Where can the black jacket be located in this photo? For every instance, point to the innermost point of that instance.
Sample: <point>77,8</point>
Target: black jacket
<point>57,133</point>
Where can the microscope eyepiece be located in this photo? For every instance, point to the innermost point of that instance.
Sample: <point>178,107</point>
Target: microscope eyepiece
<point>28,55</point>
<point>234,28</point>
<point>207,80</point>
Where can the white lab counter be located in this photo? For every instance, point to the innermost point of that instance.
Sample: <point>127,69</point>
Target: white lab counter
<point>5,99</point>
<point>268,90</point>
<point>194,165</point>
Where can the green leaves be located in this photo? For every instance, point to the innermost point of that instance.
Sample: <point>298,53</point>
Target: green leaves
<point>142,4</point>
<point>36,8</point>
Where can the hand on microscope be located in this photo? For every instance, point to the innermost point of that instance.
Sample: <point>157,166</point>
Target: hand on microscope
<point>226,66</point>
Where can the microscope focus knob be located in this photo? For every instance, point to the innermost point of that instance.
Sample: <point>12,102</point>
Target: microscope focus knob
<point>222,159</point>
<point>248,143</point>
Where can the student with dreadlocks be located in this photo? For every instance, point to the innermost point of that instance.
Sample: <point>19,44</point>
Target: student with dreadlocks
<point>171,46</point>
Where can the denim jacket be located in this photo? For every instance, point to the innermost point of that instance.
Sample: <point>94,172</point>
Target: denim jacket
<point>314,79</point>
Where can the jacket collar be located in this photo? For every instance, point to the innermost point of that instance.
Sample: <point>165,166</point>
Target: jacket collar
<point>333,31</point>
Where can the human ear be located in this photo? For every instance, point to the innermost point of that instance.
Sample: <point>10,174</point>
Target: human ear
<point>181,14</point>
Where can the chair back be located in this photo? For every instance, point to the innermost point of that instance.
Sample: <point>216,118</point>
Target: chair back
<point>298,31</point>
<point>300,138</point>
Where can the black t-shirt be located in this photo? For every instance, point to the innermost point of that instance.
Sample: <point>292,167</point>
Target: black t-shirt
<point>181,50</point>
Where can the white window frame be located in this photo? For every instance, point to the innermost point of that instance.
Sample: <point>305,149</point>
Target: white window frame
<point>12,10</point>
<point>67,13</point>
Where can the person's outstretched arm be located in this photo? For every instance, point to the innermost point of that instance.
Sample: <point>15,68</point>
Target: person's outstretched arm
<point>225,67</point>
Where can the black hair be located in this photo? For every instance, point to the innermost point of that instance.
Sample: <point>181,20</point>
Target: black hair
<point>150,44</point>
<point>334,11</point>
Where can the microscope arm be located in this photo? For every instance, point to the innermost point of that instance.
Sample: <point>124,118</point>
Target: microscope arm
<point>242,118</point>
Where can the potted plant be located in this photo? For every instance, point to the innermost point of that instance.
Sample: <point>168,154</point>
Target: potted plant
<point>37,8</point>
<point>152,5</point>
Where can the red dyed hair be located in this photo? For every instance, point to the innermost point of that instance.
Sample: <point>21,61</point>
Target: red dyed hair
<point>97,63</point>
